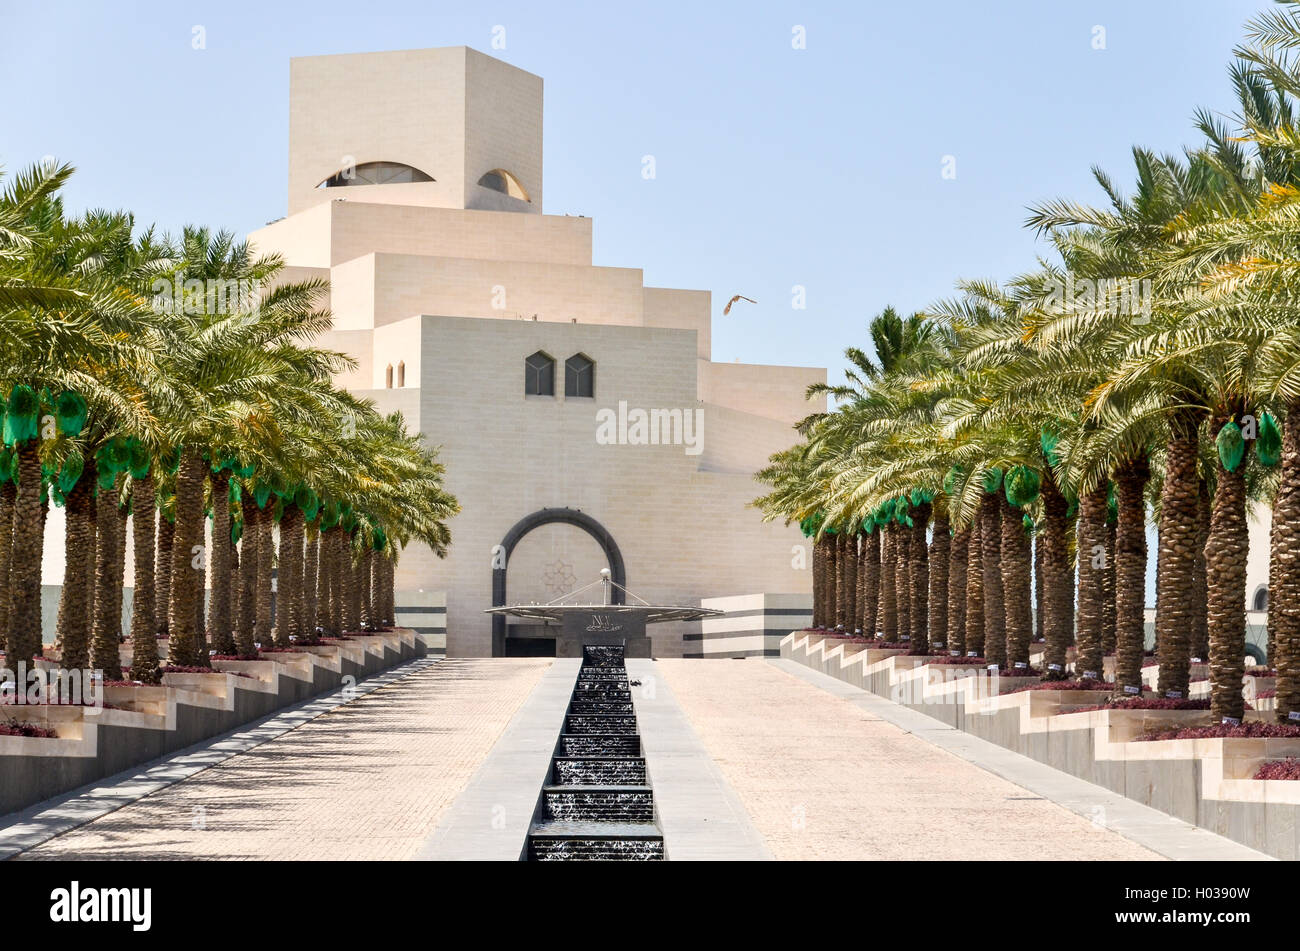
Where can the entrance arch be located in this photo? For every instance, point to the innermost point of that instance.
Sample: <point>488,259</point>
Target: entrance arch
<point>548,516</point>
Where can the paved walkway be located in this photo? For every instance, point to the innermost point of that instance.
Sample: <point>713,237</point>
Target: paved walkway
<point>826,779</point>
<point>367,780</point>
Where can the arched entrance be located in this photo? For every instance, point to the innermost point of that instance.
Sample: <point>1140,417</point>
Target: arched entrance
<point>525,525</point>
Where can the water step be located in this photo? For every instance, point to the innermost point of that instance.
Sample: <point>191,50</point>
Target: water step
<point>600,723</point>
<point>603,693</point>
<point>580,707</point>
<point>600,744</point>
<point>595,841</point>
<point>599,803</point>
<point>599,771</point>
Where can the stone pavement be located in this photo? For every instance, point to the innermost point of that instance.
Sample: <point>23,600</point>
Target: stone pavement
<point>826,779</point>
<point>367,780</point>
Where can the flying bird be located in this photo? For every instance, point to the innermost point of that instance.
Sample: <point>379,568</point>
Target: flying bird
<point>726,310</point>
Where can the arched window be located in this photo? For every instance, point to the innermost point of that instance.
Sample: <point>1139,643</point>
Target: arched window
<point>499,180</point>
<point>539,375</point>
<point>401,373</point>
<point>375,173</point>
<point>1260,601</point>
<point>388,377</point>
<point>579,376</point>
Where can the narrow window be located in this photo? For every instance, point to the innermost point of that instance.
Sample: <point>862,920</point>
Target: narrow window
<point>388,377</point>
<point>539,375</point>
<point>579,376</point>
<point>401,373</point>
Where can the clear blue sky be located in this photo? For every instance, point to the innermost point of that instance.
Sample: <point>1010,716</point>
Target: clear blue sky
<point>819,167</point>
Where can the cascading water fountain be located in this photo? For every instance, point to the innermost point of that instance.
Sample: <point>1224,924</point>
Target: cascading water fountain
<point>597,803</point>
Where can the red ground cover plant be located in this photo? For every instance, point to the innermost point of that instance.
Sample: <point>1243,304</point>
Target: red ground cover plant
<point>1260,672</point>
<point>281,650</point>
<point>1265,694</point>
<point>173,669</point>
<point>236,657</point>
<point>961,661</point>
<point>1086,683</point>
<point>1288,768</point>
<point>14,728</point>
<point>1149,703</point>
<point>1252,730</point>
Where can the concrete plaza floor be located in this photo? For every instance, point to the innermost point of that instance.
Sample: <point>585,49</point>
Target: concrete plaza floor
<point>750,759</point>
<point>368,780</point>
<point>825,779</point>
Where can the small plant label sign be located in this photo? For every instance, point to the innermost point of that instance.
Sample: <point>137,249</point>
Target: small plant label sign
<point>1090,674</point>
<point>1293,715</point>
<point>954,653</point>
<point>993,667</point>
<point>1196,660</point>
<point>1054,667</point>
<point>906,637</point>
<point>1020,664</point>
<point>972,653</point>
<point>1231,721</point>
<point>1132,689</point>
<point>1174,694</point>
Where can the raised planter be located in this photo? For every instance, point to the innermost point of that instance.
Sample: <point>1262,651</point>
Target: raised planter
<point>1204,782</point>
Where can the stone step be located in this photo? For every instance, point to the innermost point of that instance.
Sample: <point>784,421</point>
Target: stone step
<point>589,723</point>
<point>599,803</point>
<point>599,771</point>
<point>600,744</point>
<point>602,693</point>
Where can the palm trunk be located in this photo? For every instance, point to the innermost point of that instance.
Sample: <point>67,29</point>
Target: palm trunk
<point>940,548</point>
<point>262,593</point>
<point>1056,605</point>
<point>1092,586</point>
<point>995,616</point>
<point>8,498</point>
<point>851,583</point>
<point>1284,586</point>
<point>77,598</point>
<point>222,613</point>
<point>368,619</point>
<point>353,568</point>
<point>311,619</point>
<point>390,585</point>
<point>163,565</point>
<point>841,582</point>
<point>289,603</point>
<point>1176,606</point>
<point>903,582</point>
<point>919,578</point>
<point>888,574</point>
<point>183,645</point>
<point>1015,560</point>
<point>860,595</point>
<point>1130,571</point>
<point>1225,568</point>
<point>818,579</point>
<point>24,641</point>
<point>338,582</point>
<point>975,588</point>
<point>1038,587</point>
<point>144,645</point>
<point>832,580</point>
<point>246,620</point>
<point>869,569</point>
<point>1108,599</point>
<point>105,636</point>
<point>1200,638</point>
<point>958,557</point>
